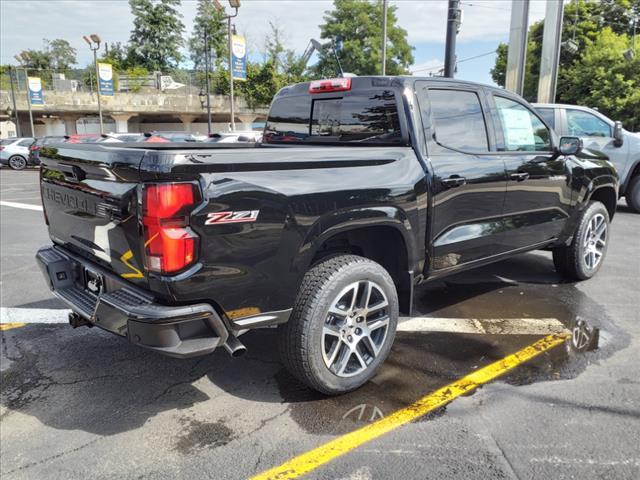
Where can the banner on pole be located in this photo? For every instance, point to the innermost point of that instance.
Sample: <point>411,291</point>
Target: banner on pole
<point>105,79</point>
<point>239,57</point>
<point>35,91</point>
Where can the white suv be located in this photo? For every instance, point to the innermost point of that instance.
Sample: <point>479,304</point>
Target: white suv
<point>15,152</point>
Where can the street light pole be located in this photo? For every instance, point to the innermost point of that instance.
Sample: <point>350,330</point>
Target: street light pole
<point>236,5</point>
<point>93,41</point>
<point>24,57</point>
<point>384,37</point>
<point>13,101</point>
<point>26,83</point>
<point>206,66</point>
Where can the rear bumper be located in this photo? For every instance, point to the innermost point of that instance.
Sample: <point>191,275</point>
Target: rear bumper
<point>178,331</point>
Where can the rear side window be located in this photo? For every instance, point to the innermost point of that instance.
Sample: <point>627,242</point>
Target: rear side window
<point>26,142</point>
<point>363,117</point>
<point>548,114</point>
<point>458,120</point>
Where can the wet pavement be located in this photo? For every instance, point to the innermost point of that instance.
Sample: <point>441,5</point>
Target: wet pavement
<point>85,404</point>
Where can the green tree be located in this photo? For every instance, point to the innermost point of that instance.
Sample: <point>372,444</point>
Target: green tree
<point>156,37</point>
<point>116,55</point>
<point>606,80</point>
<point>358,25</point>
<point>211,21</point>
<point>62,54</point>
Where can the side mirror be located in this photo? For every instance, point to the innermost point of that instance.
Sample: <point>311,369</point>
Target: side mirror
<point>618,136</point>
<point>570,146</point>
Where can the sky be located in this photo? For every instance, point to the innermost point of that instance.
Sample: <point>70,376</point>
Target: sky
<point>24,24</point>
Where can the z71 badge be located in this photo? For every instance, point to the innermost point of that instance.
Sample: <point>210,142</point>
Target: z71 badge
<point>218,218</point>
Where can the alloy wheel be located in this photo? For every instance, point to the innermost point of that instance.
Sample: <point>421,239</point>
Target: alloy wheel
<point>595,241</point>
<point>17,163</point>
<point>355,328</point>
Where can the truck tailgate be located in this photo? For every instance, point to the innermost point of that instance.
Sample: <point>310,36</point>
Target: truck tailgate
<point>90,200</point>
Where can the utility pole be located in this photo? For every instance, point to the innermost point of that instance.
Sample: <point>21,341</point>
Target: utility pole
<point>384,37</point>
<point>453,14</point>
<point>13,101</point>
<point>206,66</point>
<point>93,41</point>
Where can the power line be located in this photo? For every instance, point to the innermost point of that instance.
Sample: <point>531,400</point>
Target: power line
<point>493,52</point>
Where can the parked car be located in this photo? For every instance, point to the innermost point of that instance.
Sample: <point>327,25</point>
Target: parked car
<point>363,188</point>
<point>601,134</point>
<point>165,137</point>
<point>15,152</point>
<point>233,137</point>
<point>34,149</point>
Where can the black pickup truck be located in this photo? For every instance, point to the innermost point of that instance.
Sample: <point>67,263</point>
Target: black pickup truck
<point>362,189</point>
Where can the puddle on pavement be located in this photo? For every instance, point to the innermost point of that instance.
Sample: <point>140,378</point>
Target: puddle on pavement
<point>422,362</point>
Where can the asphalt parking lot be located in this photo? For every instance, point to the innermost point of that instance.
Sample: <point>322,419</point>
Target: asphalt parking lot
<point>82,403</point>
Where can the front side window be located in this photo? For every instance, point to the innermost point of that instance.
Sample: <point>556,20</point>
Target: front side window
<point>458,120</point>
<point>584,124</point>
<point>523,131</point>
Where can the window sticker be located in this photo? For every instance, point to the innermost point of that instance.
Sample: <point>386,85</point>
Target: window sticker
<point>518,130</point>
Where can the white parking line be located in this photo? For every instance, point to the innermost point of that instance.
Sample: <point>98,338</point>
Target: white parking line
<point>33,315</point>
<point>25,206</point>
<point>488,326</point>
<point>481,326</point>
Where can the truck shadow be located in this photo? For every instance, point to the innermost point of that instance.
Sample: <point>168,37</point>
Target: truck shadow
<point>89,380</point>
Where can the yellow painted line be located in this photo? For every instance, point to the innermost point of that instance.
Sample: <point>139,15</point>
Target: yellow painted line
<point>306,462</point>
<point>9,326</point>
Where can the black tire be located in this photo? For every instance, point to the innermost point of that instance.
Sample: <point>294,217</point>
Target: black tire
<point>632,195</point>
<point>302,338</point>
<point>570,260</point>
<point>17,162</point>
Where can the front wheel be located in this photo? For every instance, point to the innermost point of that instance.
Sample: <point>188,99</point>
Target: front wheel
<point>583,258</point>
<point>17,162</point>
<point>632,194</point>
<point>342,325</point>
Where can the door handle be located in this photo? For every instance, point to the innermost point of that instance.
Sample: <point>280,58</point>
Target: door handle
<point>454,181</point>
<point>520,176</point>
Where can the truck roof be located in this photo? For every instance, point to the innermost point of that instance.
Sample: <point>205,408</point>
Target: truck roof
<point>378,81</point>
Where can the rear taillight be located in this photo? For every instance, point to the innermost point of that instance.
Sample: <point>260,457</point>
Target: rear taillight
<point>1,148</point>
<point>330,85</point>
<point>33,148</point>
<point>169,243</point>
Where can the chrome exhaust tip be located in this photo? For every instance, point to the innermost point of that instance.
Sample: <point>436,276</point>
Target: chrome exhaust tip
<point>234,347</point>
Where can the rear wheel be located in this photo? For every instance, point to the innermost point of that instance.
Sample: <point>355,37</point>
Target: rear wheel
<point>632,194</point>
<point>17,162</point>
<point>583,258</point>
<point>342,326</point>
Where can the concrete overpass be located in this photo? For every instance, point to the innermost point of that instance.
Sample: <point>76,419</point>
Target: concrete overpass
<point>77,112</point>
